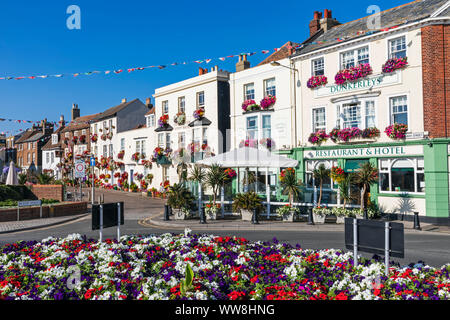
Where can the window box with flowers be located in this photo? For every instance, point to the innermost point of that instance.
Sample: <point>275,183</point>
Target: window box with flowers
<point>267,102</point>
<point>353,73</point>
<point>136,156</point>
<point>268,143</point>
<point>316,81</point>
<point>180,118</point>
<point>251,143</point>
<point>250,105</point>
<point>162,156</point>
<point>396,131</point>
<point>394,64</point>
<point>318,137</point>
<point>163,121</point>
<point>354,135</point>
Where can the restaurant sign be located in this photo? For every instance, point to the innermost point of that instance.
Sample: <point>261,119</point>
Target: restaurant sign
<point>375,81</point>
<point>373,152</point>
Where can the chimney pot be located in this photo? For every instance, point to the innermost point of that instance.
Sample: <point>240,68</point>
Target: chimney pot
<point>124,100</point>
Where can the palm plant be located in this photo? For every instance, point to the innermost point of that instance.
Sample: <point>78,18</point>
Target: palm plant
<point>215,178</point>
<point>247,201</point>
<point>180,197</point>
<point>365,176</point>
<point>44,178</point>
<point>321,173</point>
<point>249,178</point>
<point>22,178</point>
<point>344,188</point>
<point>291,185</point>
<point>182,172</point>
<point>197,174</point>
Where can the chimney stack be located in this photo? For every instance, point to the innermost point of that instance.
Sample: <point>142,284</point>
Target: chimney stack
<point>242,64</point>
<point>62,123</point>
<point>314,25</point>
<point>148,103</point>
<point>328,22</point>
<point>75,112</point>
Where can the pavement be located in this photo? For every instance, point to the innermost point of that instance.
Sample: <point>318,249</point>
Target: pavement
<point>16,226</point>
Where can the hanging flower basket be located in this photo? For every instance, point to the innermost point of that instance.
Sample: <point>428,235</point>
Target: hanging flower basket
<point>136,156</point>
<point>199,113</point>
<point>103,137</point>
<point>121,154</point>
<point>180,118</point>
<point>74,139</point>
<point>82,139</point>
<point>109,135</point>
<point>353,73</point>
<point>94,137</point>
<point>394,64</point>
<point>267,102</point>
<point>163,121</point>
<point>396,131</point>
<point>318,137</point>
<point>231,173</point>
<point>252,143</point>
<point>337,174</point>
<point>316,81</point>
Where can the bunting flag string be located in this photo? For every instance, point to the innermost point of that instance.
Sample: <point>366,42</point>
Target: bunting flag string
<point>208,60</point>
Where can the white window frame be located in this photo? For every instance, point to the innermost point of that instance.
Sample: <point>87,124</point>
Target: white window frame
<point>313,70</point>
<point>266,91</point>
<point>246,97</point>
<point>388,103</point>
<point>182,104</point>
<point>363,115</point>
<point>200,103</point>
<point>313,119</point>
<point>165,107</point>
<point>355,56</point>
<point>414,160</point>
<point>392,38</point>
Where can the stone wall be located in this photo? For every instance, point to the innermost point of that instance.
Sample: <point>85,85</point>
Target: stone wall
<point>48,192</point>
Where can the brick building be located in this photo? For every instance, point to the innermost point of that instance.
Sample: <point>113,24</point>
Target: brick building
<point>29,146</point>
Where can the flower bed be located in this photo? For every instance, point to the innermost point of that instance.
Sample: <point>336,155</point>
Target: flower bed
<point>224,268</point>
<point>353,73</point>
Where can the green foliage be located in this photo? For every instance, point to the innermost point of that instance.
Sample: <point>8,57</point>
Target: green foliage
<point>15,193</point>
<point>366,176</point>
<point>22,178</point>
<point>197,174</point>
<point>291,186</point>
<point>186,284</point>
<point>180,197</point>
<point>247,201</point>
<point>344,188</point>
<point>44,178</point>
<point>321,173</point>
<point>215,178</point>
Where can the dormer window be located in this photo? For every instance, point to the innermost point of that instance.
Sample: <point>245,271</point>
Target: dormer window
<point>54,138</point>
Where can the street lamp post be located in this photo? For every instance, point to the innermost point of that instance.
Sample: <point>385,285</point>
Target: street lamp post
<point>277,64</point>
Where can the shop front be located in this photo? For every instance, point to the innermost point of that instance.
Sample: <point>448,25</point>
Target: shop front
<point>411,176</point>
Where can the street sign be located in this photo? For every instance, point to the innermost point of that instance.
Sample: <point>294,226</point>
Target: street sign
<point>107,215</point>
<point>80,168</point>
<point>92,162</point>
<point>379,237</point>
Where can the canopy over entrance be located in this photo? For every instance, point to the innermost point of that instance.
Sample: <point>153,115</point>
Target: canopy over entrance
<point>249,157</point>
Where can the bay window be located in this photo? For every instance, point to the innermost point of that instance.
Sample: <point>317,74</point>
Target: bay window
<point>404,175</point>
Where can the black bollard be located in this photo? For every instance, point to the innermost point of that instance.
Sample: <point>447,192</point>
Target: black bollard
<point>416,221</point>
<point>202,216</point>
<point>310,216</point>
<point>255,216</point>
<point>170,211</point>
<point>366,216</point>
<point>166,213</point>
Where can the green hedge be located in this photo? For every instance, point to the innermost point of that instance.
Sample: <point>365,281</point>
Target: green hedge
<point>16,193</point>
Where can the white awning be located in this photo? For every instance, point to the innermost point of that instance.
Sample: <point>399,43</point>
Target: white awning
<point>249,157</point>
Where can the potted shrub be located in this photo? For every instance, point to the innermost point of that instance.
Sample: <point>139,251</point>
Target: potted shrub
<point>211,210</point>
<point>287,213</point>
<point>341,213</point>
<point>181,201</point>
<point>319,214</point>
<point>365,176</point>
<point>245,203</point>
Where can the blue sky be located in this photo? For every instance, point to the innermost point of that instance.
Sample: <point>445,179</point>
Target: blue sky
<point>34,40</point>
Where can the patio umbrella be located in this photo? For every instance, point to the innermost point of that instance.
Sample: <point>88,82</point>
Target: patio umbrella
<point>11,180</point>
